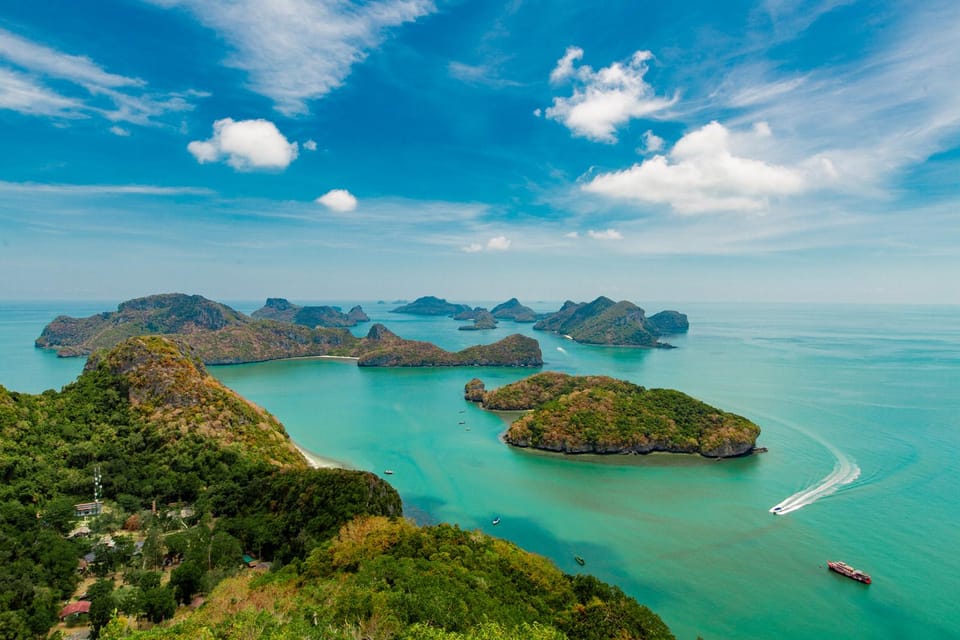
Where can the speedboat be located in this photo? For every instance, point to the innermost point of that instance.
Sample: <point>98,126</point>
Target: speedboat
<point>388,472</point>
<point>496,520</point>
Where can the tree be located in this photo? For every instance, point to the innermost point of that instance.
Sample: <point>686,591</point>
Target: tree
<point>102,604</point>
<point>159,604</point>
<point>186,580</point>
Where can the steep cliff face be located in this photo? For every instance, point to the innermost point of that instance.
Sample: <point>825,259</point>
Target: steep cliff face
<point>605,322</point>
<point>597,414</point>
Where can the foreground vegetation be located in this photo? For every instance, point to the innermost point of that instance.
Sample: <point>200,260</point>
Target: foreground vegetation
<point>597,414</point>
<point>193,477</point>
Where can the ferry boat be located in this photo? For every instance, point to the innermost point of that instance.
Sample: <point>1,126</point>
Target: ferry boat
<point>846,570</point>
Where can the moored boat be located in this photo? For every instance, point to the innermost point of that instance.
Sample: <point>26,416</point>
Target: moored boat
<point>846,570</point>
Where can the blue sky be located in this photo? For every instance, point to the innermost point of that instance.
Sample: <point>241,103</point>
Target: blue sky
<point>743,151</point>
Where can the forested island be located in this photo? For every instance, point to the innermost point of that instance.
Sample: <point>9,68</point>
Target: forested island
<point>208,522</point>
<point>218,334</point>
<point>320,316</point>
<point>605,322</point>
<point>598,414</point>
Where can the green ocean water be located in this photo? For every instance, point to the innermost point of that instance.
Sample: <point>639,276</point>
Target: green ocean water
<point>859,406</point>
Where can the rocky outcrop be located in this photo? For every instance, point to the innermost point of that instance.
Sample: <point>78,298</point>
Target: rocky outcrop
<point>513,310</point>
<point>597,414</point>
<point>605,322</point>
<point>432,306</point>
<point>667,322</point>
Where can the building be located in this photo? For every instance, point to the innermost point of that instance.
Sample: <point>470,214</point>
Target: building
<point>75,609</point>
<point>85,509</point>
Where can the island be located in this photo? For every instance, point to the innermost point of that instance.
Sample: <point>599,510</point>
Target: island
<point>146,488</point>
<point>218,334</point>
<point>513,310</point>
<point>598,414</point>
<point>431,306</point>
<point>605,322</point>
<point>319,316</point>
<point>482,320</point>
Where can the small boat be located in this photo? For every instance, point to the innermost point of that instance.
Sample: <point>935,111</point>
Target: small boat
<point>496,521</point>
<point>462,410</point>
<point>846,570</point>
<point>388,472</point>
<point>462,422</point>
<point>580,561</point>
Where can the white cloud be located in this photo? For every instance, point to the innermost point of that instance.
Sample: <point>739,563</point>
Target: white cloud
<point>652,142</point>
<point>606,99</point>
<point>339,200</point>
<point>246,144</point>
<point>537,112</point>
<point>119,131</point>
<point>111,96</point>
<point>473,248</point>
<point>298,50</point>
<point>701,174</point>
<point>564,68</point>
<point>310,145</point>
<point>609,234</point>
<point>100,189</point>
<point>499,243</point>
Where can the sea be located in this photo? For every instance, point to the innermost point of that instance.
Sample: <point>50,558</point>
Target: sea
<point>859,407</point>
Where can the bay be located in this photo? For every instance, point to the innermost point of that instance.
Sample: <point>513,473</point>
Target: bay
<point>865,395</point>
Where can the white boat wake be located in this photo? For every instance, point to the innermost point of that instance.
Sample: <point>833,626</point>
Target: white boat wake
<point>844,472</point>
<point>561,350</point>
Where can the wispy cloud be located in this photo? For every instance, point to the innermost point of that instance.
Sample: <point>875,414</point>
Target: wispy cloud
<point>295,51</point>
<point>101,189</point>
<point>114,97</point>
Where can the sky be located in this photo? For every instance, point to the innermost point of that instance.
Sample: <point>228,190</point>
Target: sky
<point>771,151</point>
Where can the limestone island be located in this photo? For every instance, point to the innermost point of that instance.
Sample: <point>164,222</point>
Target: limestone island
<point>605,322</point>
<point>321,316</point>
<point>513,310</point>
<point>598,414</point>
<point>482,320</point>
<point>218,334</point>
<point>431,306</point>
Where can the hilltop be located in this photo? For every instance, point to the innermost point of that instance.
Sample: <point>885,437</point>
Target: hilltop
<point>344,563</point>
<point>217,334</point>
<point>317,316</point>
<point>598,414</point>
<point>513,310</point>
<point>605,322</point>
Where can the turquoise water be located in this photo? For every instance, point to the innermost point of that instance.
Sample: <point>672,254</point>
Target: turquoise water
<point>867,396</point>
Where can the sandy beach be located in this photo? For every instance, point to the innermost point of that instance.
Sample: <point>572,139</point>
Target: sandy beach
<point>319,462</point>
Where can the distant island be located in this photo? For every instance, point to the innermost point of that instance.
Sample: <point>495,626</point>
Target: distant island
<point>218,334</point>
<point>605,322</point>
<point>513,310</point>
<point>202,498</point>
<point>598,414</point>
<point>321,316</point>
<point>482,320</point>
<point>431,306</point>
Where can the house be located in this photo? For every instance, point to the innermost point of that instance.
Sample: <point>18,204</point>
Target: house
<point>85,509</point>
<point>75,609</point>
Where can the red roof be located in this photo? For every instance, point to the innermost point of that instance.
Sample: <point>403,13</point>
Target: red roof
<point>75,607</point>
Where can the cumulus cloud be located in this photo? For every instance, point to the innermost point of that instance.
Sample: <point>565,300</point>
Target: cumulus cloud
<point>564,68</point>
<point>608,234</point>
<point>247,145</point>
<point>606,99</point>
<point>298,50</point>
<point>702,174</point>
<point>310,145</point>
<point>497,243</point>
<point>652,142</point>
<point>339,200</point>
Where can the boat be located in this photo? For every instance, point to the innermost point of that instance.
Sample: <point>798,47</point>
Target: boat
<point>580,561</point>
<point>388,472</point>
<point>846,570</point>
<point>462,422</point>
<point>496,520</point>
